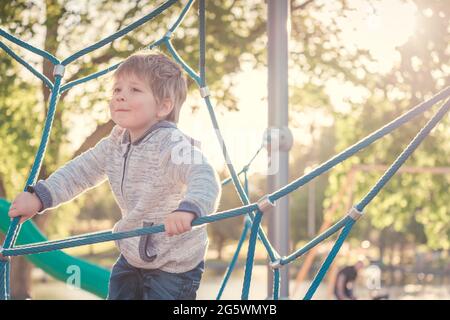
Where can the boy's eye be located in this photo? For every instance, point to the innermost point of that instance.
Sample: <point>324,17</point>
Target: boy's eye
<point>136,90</point>
<point>116,90</point>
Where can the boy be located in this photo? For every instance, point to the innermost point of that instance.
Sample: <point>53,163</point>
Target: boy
<point>157,175</point>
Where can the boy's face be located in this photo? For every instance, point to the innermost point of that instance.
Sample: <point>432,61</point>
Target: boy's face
<point>133,105</point>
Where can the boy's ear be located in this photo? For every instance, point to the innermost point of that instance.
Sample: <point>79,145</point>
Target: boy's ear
<point>165,108</point>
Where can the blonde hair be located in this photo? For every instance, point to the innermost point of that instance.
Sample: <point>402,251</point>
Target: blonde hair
<point>164,77</point>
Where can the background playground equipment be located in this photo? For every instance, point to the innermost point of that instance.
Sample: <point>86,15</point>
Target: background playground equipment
<point>345,196</point>
<point>57,263</point>
<point>253,223</point>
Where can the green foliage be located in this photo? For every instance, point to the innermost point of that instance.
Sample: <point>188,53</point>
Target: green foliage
<point>236,33</point>
<point>63,28</point>
<point>18,128</point>
<point>411,203</point>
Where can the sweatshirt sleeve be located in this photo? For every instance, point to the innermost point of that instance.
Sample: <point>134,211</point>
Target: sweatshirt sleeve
<point>78,175</point>
<point>185,163</point>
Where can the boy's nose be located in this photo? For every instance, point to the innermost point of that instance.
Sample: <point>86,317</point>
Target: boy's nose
<point>120,97</point>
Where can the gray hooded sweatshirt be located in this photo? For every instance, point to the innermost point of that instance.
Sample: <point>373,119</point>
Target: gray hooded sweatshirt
<point>161,172</point>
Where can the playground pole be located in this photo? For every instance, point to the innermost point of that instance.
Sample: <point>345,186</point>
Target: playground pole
<point>278,13</point>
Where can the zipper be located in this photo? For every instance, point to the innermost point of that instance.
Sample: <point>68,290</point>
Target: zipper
<point>127,153</point>
<point>124,169</point>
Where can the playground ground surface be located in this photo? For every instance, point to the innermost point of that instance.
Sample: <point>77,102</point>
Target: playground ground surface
<point>45,288</point>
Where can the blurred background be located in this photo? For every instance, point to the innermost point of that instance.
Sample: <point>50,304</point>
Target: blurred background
<point>353,66</point>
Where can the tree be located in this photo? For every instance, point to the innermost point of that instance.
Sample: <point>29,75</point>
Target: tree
<point>64,27</point>
<point>409,199</point>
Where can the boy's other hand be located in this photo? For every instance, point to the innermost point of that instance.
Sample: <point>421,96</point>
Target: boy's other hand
<point>178,222</point>
<point>26,205</point>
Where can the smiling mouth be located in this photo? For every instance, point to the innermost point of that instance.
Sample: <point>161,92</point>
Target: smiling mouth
<point>121,110</point>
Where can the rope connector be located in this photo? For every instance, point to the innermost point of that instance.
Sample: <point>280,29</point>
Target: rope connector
<point>264,204</point>
<point>2,257</point>
<point>168,34</point>
<point>204,92</point>
<point>355,214</point>
<point>59,70</point>
<point>276,264</point>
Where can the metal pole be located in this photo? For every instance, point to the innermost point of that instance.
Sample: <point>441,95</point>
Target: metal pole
<point>278,13</point>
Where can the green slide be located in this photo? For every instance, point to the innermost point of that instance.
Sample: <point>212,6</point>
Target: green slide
<point>58,264</point>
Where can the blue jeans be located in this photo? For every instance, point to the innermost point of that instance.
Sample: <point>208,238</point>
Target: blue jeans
<point>131,283</point>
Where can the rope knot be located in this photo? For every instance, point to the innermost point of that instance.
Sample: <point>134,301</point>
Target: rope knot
<point>168,35</point>
<point>265,204</point>
<point>59,70</point>
<point>204,92</point>
<point>2,257</point>
<point>276,264</point>
<point>354,213</point>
